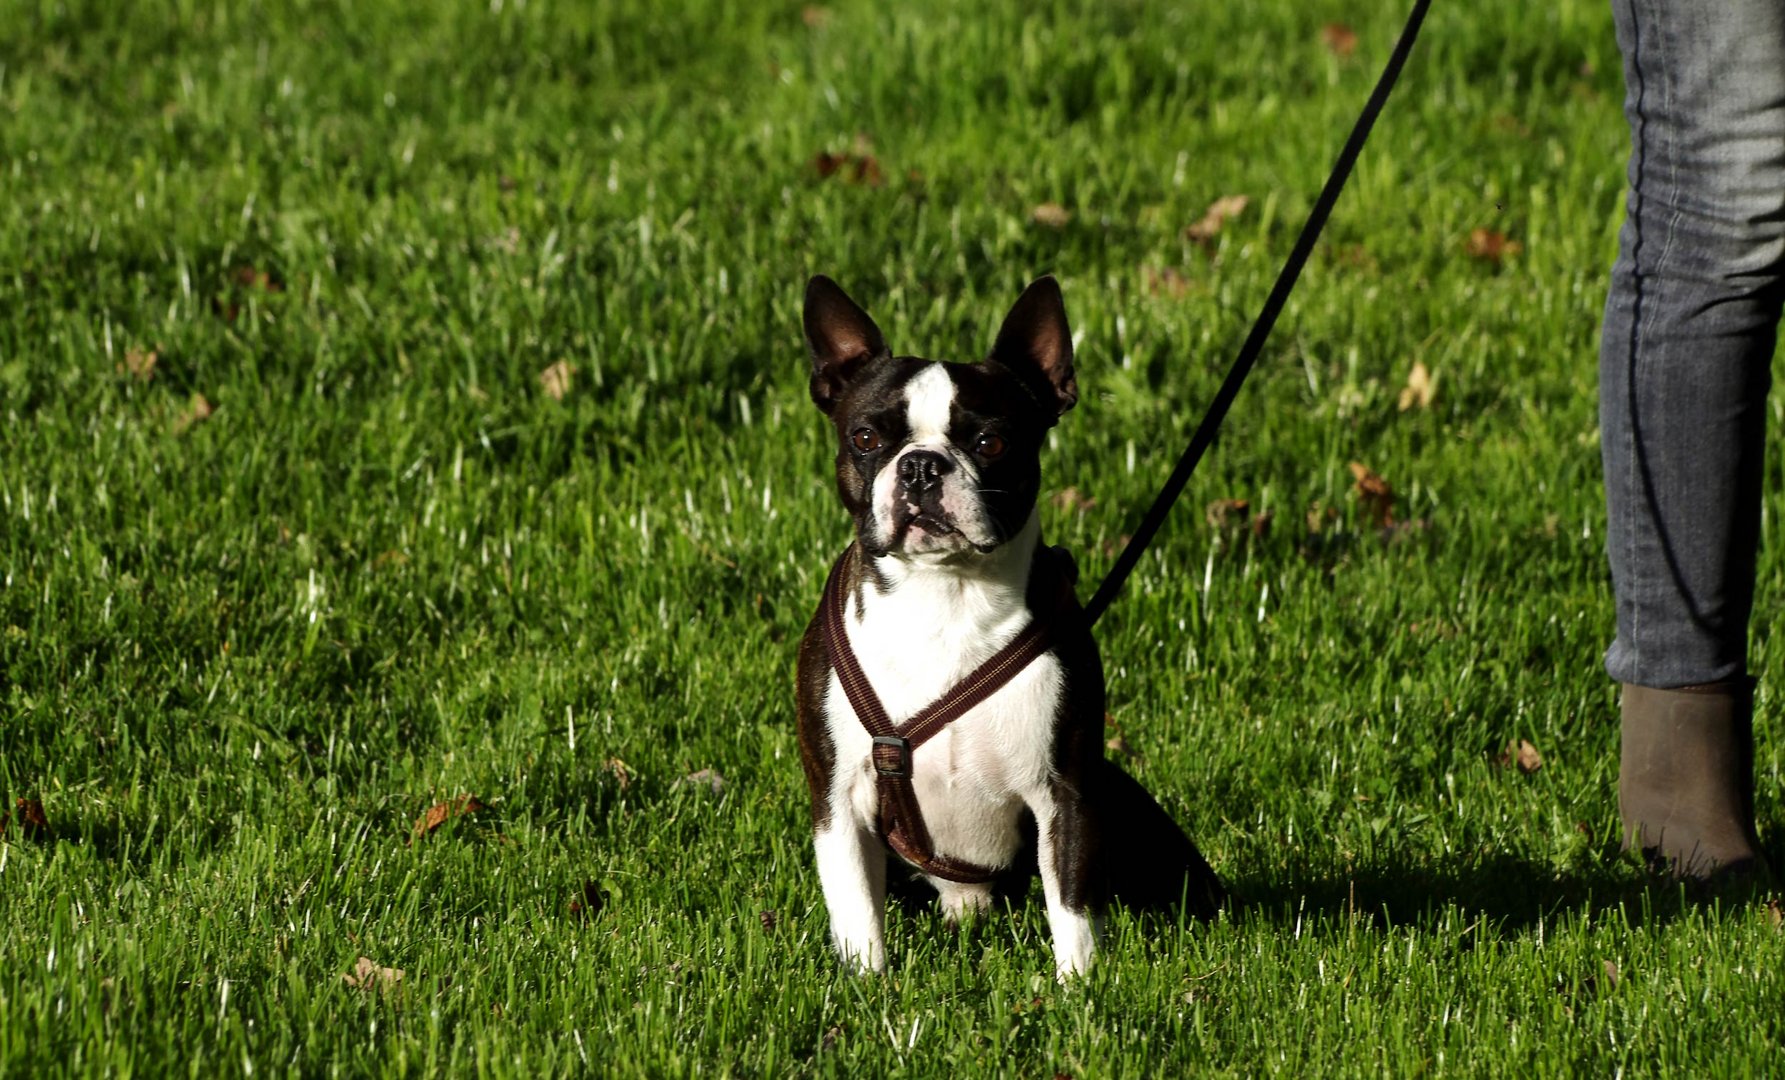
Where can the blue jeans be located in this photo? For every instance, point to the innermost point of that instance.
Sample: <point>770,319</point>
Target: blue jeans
<point>1690,329</point>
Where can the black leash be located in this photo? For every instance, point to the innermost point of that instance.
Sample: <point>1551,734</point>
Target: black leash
<point>1261,329</point>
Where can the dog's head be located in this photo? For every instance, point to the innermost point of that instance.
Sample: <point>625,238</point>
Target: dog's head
<point>936,459</point>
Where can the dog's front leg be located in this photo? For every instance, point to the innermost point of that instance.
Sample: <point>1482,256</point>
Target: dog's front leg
<point>852,871</point>
<point>1066,852</point>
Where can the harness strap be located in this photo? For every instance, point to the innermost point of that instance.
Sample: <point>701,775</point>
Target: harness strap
<point>901,823</point>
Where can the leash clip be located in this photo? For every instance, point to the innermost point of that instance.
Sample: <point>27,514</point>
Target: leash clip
<point>891,755</point>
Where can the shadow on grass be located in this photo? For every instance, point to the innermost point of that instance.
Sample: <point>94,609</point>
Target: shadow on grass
<point>1513,892</point>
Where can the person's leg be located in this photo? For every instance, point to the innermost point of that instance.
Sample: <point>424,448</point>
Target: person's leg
<point>1690,329</point>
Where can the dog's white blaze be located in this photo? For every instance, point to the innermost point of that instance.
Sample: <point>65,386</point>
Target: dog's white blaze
<point>929,404</point>
<point>929,398</point>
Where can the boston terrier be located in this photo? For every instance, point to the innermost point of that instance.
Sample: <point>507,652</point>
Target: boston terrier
<point>951,698</point>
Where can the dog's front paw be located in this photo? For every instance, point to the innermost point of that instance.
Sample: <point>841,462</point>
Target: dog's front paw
<point>862,957</point>
<point>1075,940</point>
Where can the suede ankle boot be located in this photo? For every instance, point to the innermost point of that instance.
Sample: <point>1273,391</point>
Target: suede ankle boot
<point>1686,780</point>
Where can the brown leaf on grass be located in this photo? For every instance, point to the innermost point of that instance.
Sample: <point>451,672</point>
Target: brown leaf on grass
<point>620,771</point>
<point>33,823</point>
<point>368,974</point>
<point>1526,757</point>
<point>1217,215</point>
<point>439,813</point>
<point>1225,512</point>
<point>768,920</point>
<point>1421,387</point>
<point>140,364</point>
<point>1373,492</point>
<point>709,778</point>
<point>815,17</point>
<point>197,412</point>
<point>1051,214</point>
<point>589,901</point>
<point>555,379</point>
<point>1339,39</point>
<point>242,280</point>
<point>1071,500</point>
<point>1611,974</point>
<point>250,278</point>
<point>857,165</point>
<point>1522,754</point>
<point>1165,281</point>
<point>1490,246</point>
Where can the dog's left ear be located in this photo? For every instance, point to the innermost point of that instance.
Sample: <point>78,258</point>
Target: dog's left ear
<point>1036,344</point>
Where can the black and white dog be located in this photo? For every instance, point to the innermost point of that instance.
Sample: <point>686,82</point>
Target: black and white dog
<point>949,597</point>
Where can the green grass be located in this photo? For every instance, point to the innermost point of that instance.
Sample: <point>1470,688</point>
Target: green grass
<point>240,656</point>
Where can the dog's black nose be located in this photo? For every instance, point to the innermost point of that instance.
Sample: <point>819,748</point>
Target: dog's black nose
<point>921,470</point>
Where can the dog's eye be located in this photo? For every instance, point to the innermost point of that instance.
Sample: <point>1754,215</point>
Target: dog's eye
<point>867,440</point>
<point>989,446</point>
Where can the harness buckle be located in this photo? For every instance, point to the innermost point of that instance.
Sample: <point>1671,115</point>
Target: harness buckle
<point>891,755</point>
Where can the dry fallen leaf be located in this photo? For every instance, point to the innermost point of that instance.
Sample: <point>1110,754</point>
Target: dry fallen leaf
<point>1070,499</point>
<point>620,771</point>
<point>1339,39</point>
<point>555,379</point>
<point>1522,754</point>
<point>250,278</point>
<point>141,363</point>
<point>1611,974</point>
<point>1051,214</point>
<point>1421,387</point>
<point>1165,281</point>
<point>1491,246</point>
<point>1377,497</point>
<point>1224,512</point>
<point>857,165</point>
<point>33,823</point>
<point>439,813</point>
<point>197,412</point>
<point>1526,757</point>
<point>589,902</point>
<point>1217,215</point>
<point>368,974</point>
<point>707,777</point>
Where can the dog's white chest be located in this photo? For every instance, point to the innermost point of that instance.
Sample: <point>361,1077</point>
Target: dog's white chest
<point>972,779</point>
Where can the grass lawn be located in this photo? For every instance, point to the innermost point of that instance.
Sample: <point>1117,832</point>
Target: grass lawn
<point>303,531</point>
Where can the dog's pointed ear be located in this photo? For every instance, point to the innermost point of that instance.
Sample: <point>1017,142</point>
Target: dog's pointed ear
<point>1036,344</point>
<point>840,338</point>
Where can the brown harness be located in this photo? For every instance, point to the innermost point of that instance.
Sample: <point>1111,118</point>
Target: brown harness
<point>900,821</point>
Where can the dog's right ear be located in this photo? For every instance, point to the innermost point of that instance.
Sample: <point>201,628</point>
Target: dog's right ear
<point>840,338</point>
